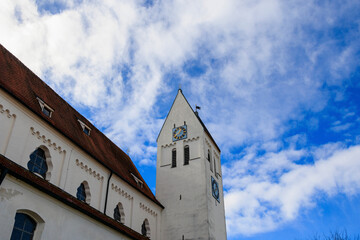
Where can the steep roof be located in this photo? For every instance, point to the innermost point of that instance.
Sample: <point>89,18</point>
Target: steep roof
<point>20,82</point>
<point>195,113</point>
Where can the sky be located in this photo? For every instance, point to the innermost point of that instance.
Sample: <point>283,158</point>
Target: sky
<point>277,82</point>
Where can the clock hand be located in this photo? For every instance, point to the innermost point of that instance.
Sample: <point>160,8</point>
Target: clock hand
<point>178,131</point>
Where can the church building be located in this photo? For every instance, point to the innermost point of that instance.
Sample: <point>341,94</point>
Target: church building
<point>61,178</point>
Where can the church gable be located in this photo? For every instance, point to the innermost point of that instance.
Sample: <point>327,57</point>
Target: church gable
<point>179,112</point>
<point>181,115</point>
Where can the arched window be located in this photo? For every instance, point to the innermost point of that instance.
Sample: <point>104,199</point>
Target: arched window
<point>24,227</point>
<point>119,214</point>
<point>209,158</point>
<point>83,192</point>
<point>186,155</point>
<point>37,163</point>
<point>80,194</point>
<point>145,228</point>
<point>173,158</point>
<point>209,155</point>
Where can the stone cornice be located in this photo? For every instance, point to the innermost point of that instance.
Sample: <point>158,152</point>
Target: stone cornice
<point>192,139</point>
<point>168,145</point>
<point>122,192</point>
<point>148,209</point>
<point>6,111</point>
<point>46,140</point>
<point>89,170</point>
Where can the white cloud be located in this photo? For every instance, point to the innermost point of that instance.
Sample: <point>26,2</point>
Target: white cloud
<point>274,189</point>
<point>264,69</point>
<point>147,162</point>
<point>343,127</point>
<point>112,56</point>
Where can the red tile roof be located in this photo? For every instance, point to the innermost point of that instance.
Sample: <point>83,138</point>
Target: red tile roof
<point>20,82</point>
<point>32,179</point>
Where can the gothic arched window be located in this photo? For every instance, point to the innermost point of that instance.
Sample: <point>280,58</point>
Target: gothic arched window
<point>186,155</point>
<point>173,158</point>
<point>145,228</point>
<point>37,163</point>
<point>119,214</point>
<point>24,227</point>
<point>81,194</point>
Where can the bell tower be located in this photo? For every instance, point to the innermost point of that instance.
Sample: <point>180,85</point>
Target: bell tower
<point>188,177</point>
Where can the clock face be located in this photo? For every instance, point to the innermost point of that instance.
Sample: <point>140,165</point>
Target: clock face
<point>179,133</point>
<point>215,189</point>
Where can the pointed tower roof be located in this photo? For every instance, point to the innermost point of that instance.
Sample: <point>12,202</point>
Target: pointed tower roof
<point>180,94</point>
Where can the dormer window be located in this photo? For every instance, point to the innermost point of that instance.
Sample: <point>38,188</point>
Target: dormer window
<point>138,181</point>
<point>46,109</point>
<point>85,128</point>
<point>87,131</point>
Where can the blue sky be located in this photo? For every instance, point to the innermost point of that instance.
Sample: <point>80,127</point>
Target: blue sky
<point>277,82</point>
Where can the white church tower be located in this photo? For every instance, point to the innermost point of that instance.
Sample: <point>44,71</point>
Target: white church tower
<point>189,179</point>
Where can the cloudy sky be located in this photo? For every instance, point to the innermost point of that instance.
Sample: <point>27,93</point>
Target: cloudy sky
<point>277,82</point>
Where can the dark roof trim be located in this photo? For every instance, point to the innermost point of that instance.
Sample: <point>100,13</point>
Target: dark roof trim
<point>44,186</point>
<point>208,133</point>
<point>197,116</point>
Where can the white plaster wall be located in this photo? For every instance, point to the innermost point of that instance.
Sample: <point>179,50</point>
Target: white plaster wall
<point>186,216</point>
<point>119,193</point>
<point>136,206</point>
<point>194,148</point>
<point>23,132</point>
<point>216,210</point>
<point>196,214</point>
<point>141,212</point>
<point>30,132</point>
<point>61,221</point>
<point>81,168</point>
<point>7,120</point>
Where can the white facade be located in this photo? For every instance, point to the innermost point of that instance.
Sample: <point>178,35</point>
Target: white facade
<point>54,219</point>
<point>21,132</point>
<point>191,211</point>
